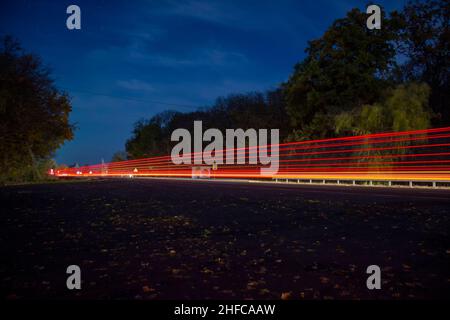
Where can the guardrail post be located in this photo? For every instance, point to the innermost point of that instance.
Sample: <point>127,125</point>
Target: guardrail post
<point>410,184</point>
<point>323,181</point>
<point>310,180</point>
<point>434,184</point>
<point>354,182</point>
<point>338,182</point>
<point>390,183</point>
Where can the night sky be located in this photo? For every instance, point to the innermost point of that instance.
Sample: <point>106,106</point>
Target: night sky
<point>130,57</point>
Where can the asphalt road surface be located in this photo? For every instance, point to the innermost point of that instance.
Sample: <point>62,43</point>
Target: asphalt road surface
<point>167,239</point>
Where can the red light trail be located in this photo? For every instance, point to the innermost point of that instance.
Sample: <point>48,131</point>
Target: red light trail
<point>416,155</point>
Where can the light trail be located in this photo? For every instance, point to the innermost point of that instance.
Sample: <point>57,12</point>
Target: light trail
<point>415,155</point>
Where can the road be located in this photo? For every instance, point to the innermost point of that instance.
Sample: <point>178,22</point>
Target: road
<point>165,239</point>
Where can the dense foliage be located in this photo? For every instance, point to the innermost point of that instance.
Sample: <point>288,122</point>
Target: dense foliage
<point>34,115</point>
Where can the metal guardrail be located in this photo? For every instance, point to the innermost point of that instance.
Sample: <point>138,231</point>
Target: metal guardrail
<point>371,183</point>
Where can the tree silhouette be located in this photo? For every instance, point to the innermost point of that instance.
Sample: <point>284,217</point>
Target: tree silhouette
<point>34,114</point>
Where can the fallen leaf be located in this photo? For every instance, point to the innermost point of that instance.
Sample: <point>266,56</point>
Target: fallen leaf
<point>286,295</point>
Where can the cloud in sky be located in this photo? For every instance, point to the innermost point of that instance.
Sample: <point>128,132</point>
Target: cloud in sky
<point>134,84</point>
<point>196,58</point>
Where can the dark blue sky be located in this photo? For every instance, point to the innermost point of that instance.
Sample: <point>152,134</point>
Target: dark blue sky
<point>182,52</point>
